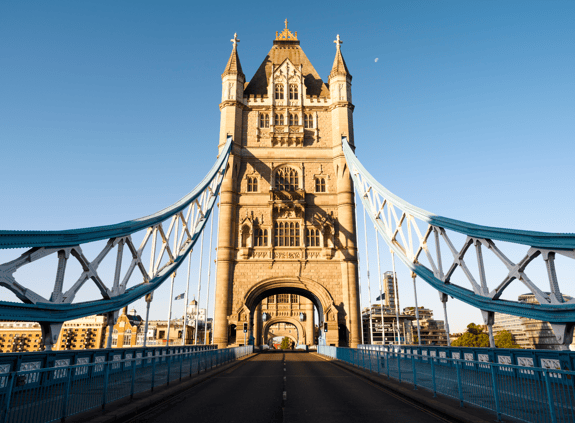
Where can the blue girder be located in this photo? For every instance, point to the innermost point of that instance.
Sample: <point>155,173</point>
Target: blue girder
<point>553,313</point>
<point>60,312</point>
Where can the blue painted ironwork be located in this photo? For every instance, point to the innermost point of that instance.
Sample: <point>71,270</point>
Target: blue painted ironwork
<point>391,215</point>
<point>63,243</point>
<point>54,393</point>
<point>530,394</point>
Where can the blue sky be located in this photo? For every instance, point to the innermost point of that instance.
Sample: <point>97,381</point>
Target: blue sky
<point>109,110</point>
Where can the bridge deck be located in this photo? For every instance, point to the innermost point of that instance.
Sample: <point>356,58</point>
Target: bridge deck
<point>313,390</point>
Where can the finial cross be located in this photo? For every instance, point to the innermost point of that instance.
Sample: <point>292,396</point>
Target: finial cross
<point>337,41</point>
<point>235,40</point>
<point>286,22</point>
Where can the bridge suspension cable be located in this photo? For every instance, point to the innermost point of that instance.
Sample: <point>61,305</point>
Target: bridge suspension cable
<point>398,222</point>
<point>185,219</point>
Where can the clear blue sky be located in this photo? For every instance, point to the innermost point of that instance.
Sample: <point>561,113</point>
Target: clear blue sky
<point>109,110</point>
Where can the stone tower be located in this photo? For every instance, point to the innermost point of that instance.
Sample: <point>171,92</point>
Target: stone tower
<point>287,209</point>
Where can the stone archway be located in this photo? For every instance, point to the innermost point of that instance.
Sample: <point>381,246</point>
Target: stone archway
<point>319,296</point>
<point>302,337</point>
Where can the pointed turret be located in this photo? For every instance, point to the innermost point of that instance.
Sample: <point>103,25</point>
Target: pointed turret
<point>339,67</point>
<point>234,67</point>
<point>233,80</point>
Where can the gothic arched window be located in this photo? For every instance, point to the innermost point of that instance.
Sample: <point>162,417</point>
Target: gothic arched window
<point>319,184</point>
<point>287,234</point>
<point>279,92</point>
<point>313,238</point>
<point>308,121</point>
<point>264,120</point>
<point>252,184</point>
<point>293,119</point>
<point>293,92</point>
<point>261,237</point>
<point>287,179</point>
<point>279,119</point>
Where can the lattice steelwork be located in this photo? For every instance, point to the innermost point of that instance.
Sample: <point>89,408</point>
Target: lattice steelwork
<point>399,223</point>
<point>170,235</point>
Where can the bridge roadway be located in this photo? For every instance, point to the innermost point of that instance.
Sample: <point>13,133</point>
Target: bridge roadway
<point>291,386</point>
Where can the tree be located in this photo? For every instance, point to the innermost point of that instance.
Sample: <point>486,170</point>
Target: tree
<point>285,345</point>
<point>474,337</point>
<point>504,339</point>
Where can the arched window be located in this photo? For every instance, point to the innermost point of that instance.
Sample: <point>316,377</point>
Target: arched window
<point>293,119</point>
<point>279,119</point>
<point>293,92</point>
<point>264,120</point>
<point>279,92</point>
<point>308,121</point>
<point>252,184</point>
<point>261,237</point>
<point>313,238</point>
<point>287,179</point>
<point>319,184</point>
<point>128,338</point>
<point>287,234</point>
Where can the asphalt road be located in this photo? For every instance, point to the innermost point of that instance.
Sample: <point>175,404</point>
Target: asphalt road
<point>287,387</point>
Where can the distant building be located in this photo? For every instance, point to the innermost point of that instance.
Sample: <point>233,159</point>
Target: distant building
<point>79,334</point>
<point>128,331</point>
<point>528,333</point>
<point>432,331</point>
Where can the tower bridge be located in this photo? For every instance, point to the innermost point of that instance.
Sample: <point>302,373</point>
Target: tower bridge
<point>286,178</point>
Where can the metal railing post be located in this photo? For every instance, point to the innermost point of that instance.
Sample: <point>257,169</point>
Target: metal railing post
<point>153,372</point>
<point>181,363</point>
<point>433,376</point>
<point>387,362</point>
<point>4,418</point>
<point>550,397</point>
<point>169,363</point>
<point>398,366</point>
<point>378,355</point>
<point>459,387</point>
<point>369,359</point>
<point>105,387</point>
<point>67,395</point>
<point>414,374</point>
<point>133,379</point>
<point>495,392</point>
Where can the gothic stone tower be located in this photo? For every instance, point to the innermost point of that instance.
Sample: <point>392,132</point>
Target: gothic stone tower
<point>287,210</point>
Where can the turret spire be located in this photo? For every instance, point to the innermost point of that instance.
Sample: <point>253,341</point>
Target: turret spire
<point>339,67</point>
<point>234,66</point>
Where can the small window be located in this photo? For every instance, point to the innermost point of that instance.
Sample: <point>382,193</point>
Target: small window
<point>264,120</point>
<point>261,237</point>
<point>128,337</point>
<point>294,298</point>
<point>293,92</point>
<point>271,299</point>
<point>319,184</point>
<point>293,120</point>
<point>308,121</point>
<point>313,238</point>
<point>252,184</point>
<point>279,119</point>
<point>287,234</point>
<point>286,179</point>
<point>279,92</point>
<point>283,298</point>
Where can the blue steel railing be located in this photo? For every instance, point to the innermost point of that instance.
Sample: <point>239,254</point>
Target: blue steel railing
<point>530,394</point>
<point>54,393</point>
